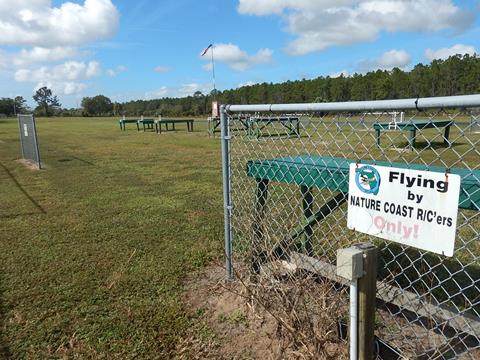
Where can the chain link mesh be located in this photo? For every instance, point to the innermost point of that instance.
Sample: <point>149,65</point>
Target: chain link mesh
<point>286,235</point>
<point>28,139</point>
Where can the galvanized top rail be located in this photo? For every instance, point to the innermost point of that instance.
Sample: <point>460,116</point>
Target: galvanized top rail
<point>414,103</point>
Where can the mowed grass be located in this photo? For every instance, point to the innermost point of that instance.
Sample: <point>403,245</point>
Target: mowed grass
<point>94,248</point>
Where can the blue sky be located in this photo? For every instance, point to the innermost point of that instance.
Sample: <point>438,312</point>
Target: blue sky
<point>148,49</point>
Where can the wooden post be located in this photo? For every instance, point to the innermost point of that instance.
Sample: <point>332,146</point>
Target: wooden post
<point>446,135</point>
<point>307,204</point>
<point>377,131</point>
<point>411,142</point>
<point>366,302</point>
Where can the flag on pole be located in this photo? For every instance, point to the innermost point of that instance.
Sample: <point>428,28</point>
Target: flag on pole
<point>205,51</point>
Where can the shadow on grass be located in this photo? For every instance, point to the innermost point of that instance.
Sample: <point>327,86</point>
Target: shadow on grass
<point>76,158</point>
<point>422,145</point>
<point>22,189</point>
<point>13,216</point>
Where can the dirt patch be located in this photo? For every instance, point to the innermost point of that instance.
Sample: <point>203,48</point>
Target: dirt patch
<point>28,164</point>
<point>229,325</point>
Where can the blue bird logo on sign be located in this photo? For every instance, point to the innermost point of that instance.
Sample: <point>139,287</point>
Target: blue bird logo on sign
<point>367,179</point>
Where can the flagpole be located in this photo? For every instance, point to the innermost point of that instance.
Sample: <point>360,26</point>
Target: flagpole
<point>213,75</point>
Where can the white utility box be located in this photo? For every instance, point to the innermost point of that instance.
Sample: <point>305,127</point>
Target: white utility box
<point>350,263</point>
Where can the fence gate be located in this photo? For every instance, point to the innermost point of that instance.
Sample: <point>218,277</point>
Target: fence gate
<point>285,171</point>
<point>28,139</point>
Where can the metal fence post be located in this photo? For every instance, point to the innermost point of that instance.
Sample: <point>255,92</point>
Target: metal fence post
<point>225,135</point>
<point>20,132</point>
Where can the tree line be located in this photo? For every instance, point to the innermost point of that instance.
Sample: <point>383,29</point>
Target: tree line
<point>47,104</point>
<point>457,75</point>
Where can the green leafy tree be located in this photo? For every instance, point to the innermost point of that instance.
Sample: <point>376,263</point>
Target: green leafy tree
<point>20,105</point>
<point>99,105</point>
<point>46,101</point>
<point>6,107</point>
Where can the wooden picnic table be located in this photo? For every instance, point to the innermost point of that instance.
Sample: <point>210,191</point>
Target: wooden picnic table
<point>413,126</point>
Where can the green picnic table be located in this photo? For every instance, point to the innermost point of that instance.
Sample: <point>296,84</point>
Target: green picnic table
<point>147,124</point>
<point>166,122</point>
<point>324,172</point>
<point>413,126</point>
<point>237,123</point>
<point>213,125</point>
<point>122,123</point>
<point>256,125</point>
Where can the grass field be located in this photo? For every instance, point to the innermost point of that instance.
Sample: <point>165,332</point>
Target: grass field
<point>94,248</point>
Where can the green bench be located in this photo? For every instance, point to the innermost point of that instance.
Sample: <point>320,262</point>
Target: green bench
<point>166,122</point>
<point>148,124</point>
<point>413,126</point>
<point>122,123</point>
<point>256,125</point>
<point>323,172</point>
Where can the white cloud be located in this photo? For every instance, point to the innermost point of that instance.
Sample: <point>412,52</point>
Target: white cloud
<point>157,94</point>
<point>116,71</point>
<point>207,66</point>
<point>70,70</point>
<point>63,88</point>
<point>236,58</point>
<point>4,61</point>
<point>345,73</point>
<point>50,34</point>
<point>190,89</point>
<point>162,69</point>
<point>387,61</point>
<point>179,91</point>
<point>37,23</point>
<point>27,57</point>
<point>321,24</point>
<point>445,53</point>
<point>41,54</point>
<point>63,79</point>
<point>247,83</point>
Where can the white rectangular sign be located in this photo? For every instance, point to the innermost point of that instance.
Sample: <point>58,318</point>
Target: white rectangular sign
<point>25,130</point>
<point>411,207</point>
<point>215,109</point>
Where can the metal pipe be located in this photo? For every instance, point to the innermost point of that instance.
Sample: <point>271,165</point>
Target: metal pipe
<point>354,320</point>
<point>226,192</point>
<point>413,103</point>
<point>21,136</point>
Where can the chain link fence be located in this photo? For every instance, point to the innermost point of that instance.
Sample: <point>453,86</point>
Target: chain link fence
<point>28,139</point>
<point>286,184</point>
